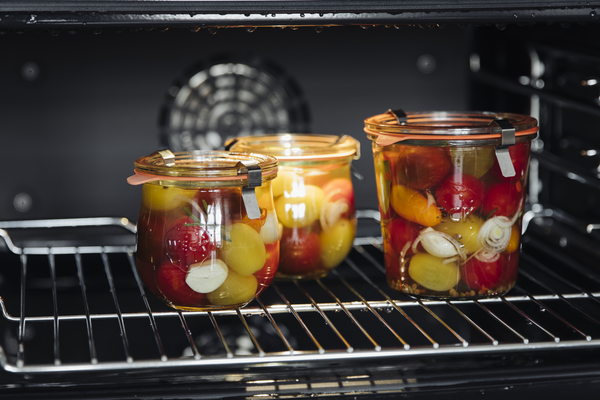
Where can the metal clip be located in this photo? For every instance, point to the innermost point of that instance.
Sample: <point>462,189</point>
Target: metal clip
<point>399,114</point>
<point>167,156</point>
<point>508,139</point>
<point>229,145</point>
<point>248,193</point>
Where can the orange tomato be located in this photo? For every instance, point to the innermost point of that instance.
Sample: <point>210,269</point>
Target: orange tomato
<point>410,204</point>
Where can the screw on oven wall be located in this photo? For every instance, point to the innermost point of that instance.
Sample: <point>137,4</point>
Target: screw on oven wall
<point>426,64</point>
<point>22,202</point>
<point>30,71</point>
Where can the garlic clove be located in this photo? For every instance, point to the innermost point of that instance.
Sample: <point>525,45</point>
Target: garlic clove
<point>269,232</point>
<point>437,245</point>
<point>206,276</point>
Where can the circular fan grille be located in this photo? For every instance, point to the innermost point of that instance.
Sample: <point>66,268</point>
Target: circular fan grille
<point>230,98</point>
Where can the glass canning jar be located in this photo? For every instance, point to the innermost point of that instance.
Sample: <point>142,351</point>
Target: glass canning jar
<point>314,198</point>
<point>207,232</point>
<point>451,189</point>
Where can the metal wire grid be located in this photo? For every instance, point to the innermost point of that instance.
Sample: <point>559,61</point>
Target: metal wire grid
<point>349,315</point>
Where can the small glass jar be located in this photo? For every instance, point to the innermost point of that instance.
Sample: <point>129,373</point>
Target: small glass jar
<point>314,199</point>
<point>451,189</point>
<point>207,233</point>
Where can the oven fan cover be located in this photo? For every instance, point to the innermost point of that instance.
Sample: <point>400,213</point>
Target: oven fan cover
<point>230,97</point>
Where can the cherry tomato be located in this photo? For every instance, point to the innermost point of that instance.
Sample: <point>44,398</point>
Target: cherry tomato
<point>519,154</point>
<point>410,204</point>
<point>300,251</point>
<point>170,280</point>
<point>187,243</point>
<point>340,189</point>
<point>265,275</point>
<point>478,274</point>
<point>502,199</point>
<point>459,194</point>
<point>400,232</point>
<point>421,168</point>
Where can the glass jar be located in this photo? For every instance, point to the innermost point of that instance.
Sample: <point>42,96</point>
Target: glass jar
<point>451,190</point>
<point>207,233</point>
<point>314,199</point>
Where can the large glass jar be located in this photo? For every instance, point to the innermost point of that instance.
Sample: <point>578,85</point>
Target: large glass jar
<point>207,233</point>
<point>314,199</point>
<point>451,190</point>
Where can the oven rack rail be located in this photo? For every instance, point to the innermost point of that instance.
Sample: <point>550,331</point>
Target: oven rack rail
<point>540,316</point>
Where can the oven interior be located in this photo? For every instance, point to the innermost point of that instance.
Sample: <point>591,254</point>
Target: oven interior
<point>80,104</point>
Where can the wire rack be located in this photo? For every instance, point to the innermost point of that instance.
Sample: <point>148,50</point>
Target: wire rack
<point>84,308</point>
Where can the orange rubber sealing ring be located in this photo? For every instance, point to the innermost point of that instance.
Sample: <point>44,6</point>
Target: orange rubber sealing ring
<point>385,140</point>
<point>141,177</point>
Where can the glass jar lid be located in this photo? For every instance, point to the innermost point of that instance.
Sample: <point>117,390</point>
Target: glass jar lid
<point>298,147</point>
<point>484,128</point>
<point>202,166</point>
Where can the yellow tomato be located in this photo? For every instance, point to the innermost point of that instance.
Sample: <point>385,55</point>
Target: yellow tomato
<point>301,207</point>
<point>410,204</point>
<point>236,289</point>
<point>513,243</point>
<point>336,243</point>
<point>243,249</point>
<point>164,198</point>
<point>431,272</point>
<point>464,230</point>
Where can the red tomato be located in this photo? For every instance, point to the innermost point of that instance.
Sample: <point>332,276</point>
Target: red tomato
<point>400,232</point>
<point>422,167</point>
<point>502,199</point>
<point>479,274</point>
<point>519,154</point>
<point>300,251</point>
<point>266,274</point>
<point>340,189</point>
<point>188,244</point>
<point>170,280</point>
<point>459,193</point>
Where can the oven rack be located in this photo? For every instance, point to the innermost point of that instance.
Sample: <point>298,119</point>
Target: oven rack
<point>349,316</point>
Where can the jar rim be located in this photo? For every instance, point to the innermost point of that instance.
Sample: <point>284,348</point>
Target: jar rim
<point>446,125</point>
<point>209,165</point>
<point>298,146</point>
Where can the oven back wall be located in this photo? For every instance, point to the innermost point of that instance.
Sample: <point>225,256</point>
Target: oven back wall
<point>76,109</point>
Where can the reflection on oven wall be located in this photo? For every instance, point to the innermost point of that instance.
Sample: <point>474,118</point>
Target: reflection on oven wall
<point>77,109</point>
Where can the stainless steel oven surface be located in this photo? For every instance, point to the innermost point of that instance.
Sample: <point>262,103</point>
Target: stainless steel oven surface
<point>88,87</point>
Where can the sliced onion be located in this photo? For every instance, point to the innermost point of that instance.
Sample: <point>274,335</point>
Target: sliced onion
<point>439,244</point>
<point>405,250</point>
<point>430,200</point>
<point>495,233</point>
<point>487,256</point>
<point>331,212</point>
